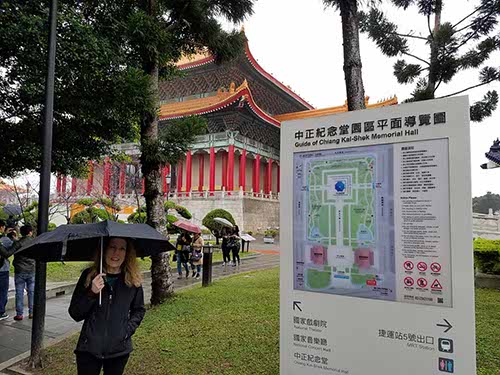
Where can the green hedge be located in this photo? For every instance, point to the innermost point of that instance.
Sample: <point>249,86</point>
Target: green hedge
<point>487,256</point>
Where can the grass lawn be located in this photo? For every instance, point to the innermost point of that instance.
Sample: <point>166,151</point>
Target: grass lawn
<point>233,328</point>
<point>230,328</point>
<point>488,331</point>
<point>71,271</point>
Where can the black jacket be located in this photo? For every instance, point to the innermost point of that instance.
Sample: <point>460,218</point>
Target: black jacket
<point>107,329</point>
<point>16,245</point>
<point>21,263</point>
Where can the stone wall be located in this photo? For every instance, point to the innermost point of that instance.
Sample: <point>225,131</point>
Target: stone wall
<point>260,214</point>
<point>486,225</point>
<point>200,207</point>
<point>254,215</point>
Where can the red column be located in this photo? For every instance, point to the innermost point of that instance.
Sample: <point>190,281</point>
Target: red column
<point>163,179</point>
<point>212,169</point>
<point>123,169</point>
<point>201,170</point>
<point>179,176</point>
<point>74,181</point>
<point>269,176</point>
<point>230,168</point>
<point>143,189</point>
<point>256,177</point>
<point>167,185</point>
<point>243,168</point>
<point>224,170</point>
<point>107,177</point>
<point>189,171</point>
<point>58,184</point>
<point>64,184</point>
<point>90,179</point>
<point>278,189</point>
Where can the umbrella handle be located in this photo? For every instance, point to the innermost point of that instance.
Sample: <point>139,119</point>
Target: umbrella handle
<point>100,271</point>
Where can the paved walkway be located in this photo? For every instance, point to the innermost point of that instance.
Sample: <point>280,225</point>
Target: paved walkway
<point>15,337</point>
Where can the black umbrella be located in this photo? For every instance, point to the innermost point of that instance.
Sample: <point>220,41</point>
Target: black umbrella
<point>12,209</point>
<point>79,242</point>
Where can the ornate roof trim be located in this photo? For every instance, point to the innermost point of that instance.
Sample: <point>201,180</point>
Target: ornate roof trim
<point>205,58</point>
<point>211,104</point>
<point>332,110</point>
<point>268,76</point>
<point>196,62</point>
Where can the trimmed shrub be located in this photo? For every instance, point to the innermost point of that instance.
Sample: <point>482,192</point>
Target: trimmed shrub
<point>215,228</point>
<point>271,233</point>
<point>487,255</point>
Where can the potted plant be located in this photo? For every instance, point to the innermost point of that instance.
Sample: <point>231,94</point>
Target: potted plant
<point>269,235</point>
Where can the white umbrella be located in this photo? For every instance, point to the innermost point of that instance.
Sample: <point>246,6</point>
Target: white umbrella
<point>223,222</point>
<point>247,237</point>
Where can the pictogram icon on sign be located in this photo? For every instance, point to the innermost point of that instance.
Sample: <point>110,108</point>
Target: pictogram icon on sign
<point>409,281</point>
<point>422,283</point>
<point>422,266</point>
<point>408,265</point>
<point>436,285</point>
<point>435,267</point>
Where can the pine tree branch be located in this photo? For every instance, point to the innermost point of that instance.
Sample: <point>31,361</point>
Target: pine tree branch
<point>410,36</point>
<point>429,26</point>
<point>476,21</point>
<point>468,16</point>
<point>469,88</point>
<point>416,57</point>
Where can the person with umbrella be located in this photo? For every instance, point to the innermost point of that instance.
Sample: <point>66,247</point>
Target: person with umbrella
<point>105,339</point>
<point>183,250</point>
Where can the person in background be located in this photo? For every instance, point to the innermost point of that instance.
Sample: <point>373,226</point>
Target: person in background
<point>182,252</point>
<point>234,242</point>
<point>226,258</point>
<point>197,254</point>
<point>106,337</point>
<point>24,274</point>
<point>7,238</point>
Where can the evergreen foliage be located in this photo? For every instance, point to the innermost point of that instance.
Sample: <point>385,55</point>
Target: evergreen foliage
<point>215,228</point>
<point>464,45</point>
<point>487,255</point>
<point>482,204</point>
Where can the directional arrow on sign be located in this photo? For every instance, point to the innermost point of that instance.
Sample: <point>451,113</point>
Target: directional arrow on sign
<point>448,326</point>
<point>296,304</point>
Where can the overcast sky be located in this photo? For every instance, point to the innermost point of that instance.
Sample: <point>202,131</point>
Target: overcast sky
<point>300,43</point>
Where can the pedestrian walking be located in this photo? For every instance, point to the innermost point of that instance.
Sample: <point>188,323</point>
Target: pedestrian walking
<point>183,251</point>
<point>234,245</point>
<point>226,258</point>
<point>197,254</point>
<point>7,238</point>
<point>24,274</point>
<point>106,337</point>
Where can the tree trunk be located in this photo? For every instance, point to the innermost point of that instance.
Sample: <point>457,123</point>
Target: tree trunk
<point>352,58</point>
<point>433,78</point>
<point>161,285</point>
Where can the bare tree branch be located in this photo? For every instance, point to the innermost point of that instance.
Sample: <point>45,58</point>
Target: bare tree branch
<point>468,16</point>
<point>468,88</point>
<point>416,57</point>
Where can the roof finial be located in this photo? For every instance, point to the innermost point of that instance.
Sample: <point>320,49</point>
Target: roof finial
<point>243,29</point>
<point>232,87</point>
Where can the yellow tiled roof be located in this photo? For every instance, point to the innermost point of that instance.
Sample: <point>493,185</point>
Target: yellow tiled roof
<point>195,105</point>
<point>332,110</point>
<point>188,59</point>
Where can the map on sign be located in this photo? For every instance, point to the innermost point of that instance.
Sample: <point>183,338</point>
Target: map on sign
<point>344,227</point>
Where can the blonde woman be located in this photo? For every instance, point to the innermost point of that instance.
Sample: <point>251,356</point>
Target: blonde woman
<point>105,340</point>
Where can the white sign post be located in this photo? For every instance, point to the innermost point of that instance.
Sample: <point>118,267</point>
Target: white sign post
<point>376,242</point>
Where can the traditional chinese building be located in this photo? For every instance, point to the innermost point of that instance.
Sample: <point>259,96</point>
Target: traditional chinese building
<point>236,165</point>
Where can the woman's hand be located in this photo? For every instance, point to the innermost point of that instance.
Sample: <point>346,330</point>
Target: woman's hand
<point>98,283</point>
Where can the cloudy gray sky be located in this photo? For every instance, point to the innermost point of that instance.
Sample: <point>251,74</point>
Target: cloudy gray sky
<point>300,43</point>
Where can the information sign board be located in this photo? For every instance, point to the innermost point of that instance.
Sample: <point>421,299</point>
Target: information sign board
<point>376,237</point>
